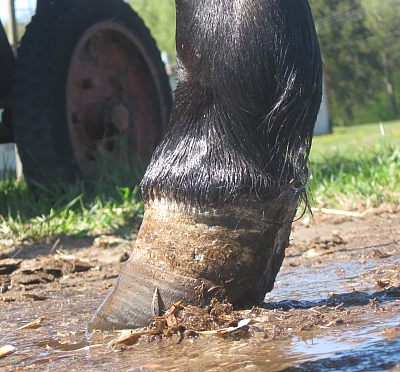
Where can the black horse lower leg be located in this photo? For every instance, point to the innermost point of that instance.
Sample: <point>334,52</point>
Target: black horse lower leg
<point>222,188</point>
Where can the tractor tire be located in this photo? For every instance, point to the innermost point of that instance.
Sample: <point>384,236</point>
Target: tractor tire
<point>90,91</point>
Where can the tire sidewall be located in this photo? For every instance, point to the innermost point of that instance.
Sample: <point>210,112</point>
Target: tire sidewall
<point>66,22</point>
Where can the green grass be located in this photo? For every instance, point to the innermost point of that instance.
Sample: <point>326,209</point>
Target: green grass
<point>77,212</point>
<point>356,167</point>
<point>353,168</point>
<point>101,206</point>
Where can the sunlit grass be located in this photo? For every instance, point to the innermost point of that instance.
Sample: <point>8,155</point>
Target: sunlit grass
<point>357,167</point>
<point>109,204</point>
<point>77,213</point>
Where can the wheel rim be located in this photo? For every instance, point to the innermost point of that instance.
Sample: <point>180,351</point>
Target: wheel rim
<point>113,104</point>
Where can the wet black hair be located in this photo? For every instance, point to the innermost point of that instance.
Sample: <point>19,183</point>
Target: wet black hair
<point>249,90</point>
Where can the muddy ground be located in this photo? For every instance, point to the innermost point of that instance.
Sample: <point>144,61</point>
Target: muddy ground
<point>336,304</point>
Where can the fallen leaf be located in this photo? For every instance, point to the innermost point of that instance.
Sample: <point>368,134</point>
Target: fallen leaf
<point>130,337</point>
<point>172,323</point>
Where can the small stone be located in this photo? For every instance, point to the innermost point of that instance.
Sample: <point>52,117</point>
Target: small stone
<point>7,350</point>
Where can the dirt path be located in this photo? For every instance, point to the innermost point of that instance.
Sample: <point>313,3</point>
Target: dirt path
<point>337,294</point>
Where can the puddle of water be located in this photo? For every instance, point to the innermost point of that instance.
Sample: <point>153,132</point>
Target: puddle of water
<point>376,357</point>
<point>315,283</point>
<point>346,340</point>
<point>62,342</point>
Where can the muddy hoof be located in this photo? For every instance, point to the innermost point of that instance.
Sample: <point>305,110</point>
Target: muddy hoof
<point>141,293</point>
<point>194,256</point>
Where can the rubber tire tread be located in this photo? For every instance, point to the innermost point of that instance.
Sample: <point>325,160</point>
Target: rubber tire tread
<point>40,78</point>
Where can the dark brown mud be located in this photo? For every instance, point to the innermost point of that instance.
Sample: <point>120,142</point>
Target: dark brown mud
<point>335,305</point>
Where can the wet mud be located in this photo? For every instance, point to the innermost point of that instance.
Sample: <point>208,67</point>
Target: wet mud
<point>335,305</point>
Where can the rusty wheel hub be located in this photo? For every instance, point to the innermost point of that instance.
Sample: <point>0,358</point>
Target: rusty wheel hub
<point>112,98</point>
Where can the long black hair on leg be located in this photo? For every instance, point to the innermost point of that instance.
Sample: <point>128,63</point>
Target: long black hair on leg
<point>249,90</point>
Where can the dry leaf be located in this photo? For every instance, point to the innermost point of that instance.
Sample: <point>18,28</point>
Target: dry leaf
<point>129,337</point>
